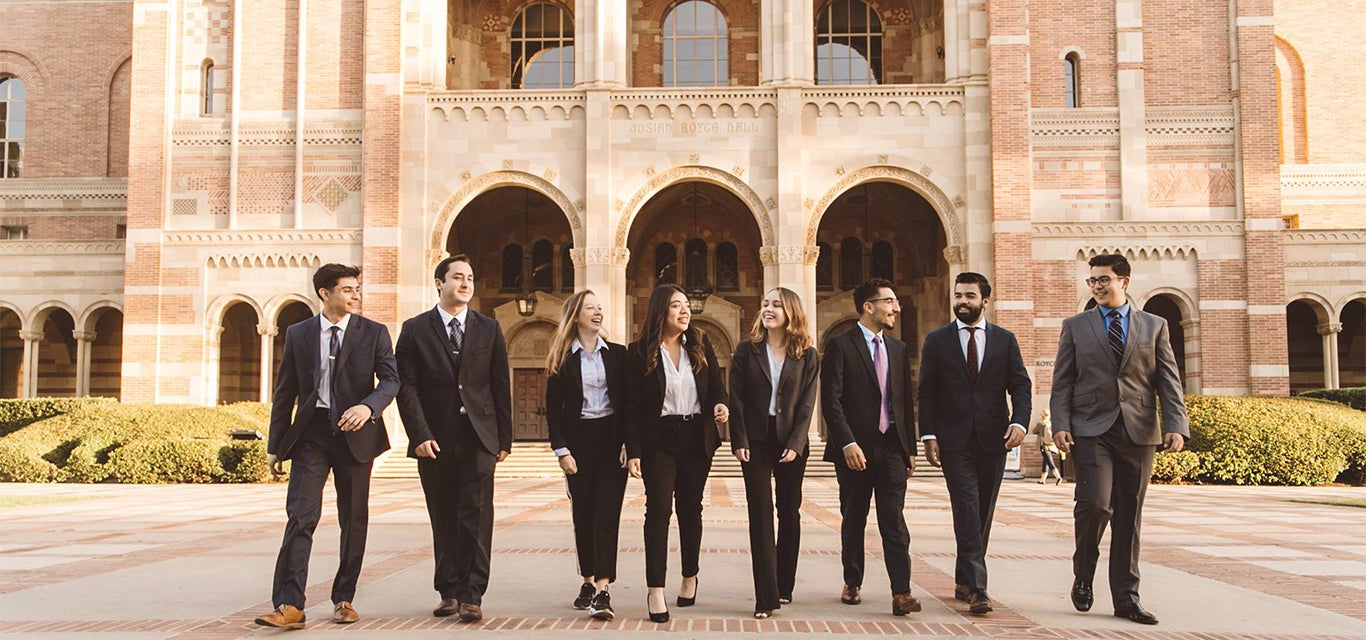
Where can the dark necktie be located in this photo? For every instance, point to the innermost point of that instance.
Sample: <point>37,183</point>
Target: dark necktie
<point>333,352</point>
<point>457,335</point>
<point>972,353</point>
<point>1116,337</point>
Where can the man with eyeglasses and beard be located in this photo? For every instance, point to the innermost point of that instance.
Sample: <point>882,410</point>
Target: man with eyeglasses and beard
<point>1113,371</point>
<point>967,368</point>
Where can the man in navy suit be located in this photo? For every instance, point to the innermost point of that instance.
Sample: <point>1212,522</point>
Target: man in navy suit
<point>330,366</point>
<point>456,405</point>
<point>967,368</point>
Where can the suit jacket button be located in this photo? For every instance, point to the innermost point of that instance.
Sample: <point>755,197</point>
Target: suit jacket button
<point>460,387</point>
<point>780,411</point>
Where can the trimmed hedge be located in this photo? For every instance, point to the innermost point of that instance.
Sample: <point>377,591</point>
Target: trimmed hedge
<point>1281,441</point>
<point>1354,397</point>
<point>61,440</point>
<point>1176,468</point>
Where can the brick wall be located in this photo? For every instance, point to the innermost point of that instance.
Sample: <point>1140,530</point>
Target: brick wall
<point>1185,53</point>
<point>1328,41</point>
<point>1090,29</point>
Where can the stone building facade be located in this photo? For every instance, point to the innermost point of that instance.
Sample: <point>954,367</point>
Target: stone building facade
<point>176,177</point>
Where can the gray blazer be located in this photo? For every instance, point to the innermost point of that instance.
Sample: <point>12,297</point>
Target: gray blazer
<point>1090,391</point>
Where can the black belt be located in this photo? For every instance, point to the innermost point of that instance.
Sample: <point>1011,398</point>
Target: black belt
<point>688,418</point>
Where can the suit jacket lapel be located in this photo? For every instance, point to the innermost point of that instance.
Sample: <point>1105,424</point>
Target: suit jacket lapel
<point>1100,331</point>
<point>350,338</point>
<point>312,351</point>
<point>573,371</point>
<point>762,360</point>
<point>442,338</point>
<point>995,346</point>
<point>1136,323</point>
<point>785,374</point>
<point>861,346</point>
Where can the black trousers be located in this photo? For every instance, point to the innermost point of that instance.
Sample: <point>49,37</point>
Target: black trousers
<point>974,480</point>
<point>675,472</point>
<point>595,495</point>
<point>458,485</point>
<point>884,481</point>
<point>319,450</point>
<point>774,564</point>
<point>1112,481</point>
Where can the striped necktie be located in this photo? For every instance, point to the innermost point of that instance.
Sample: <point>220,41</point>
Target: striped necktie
<point>1116,336</point>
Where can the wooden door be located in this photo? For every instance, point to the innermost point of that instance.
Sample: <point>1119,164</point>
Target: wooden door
<point>528,405</point>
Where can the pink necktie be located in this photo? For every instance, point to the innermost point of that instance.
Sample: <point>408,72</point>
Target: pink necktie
<point>880,368</point>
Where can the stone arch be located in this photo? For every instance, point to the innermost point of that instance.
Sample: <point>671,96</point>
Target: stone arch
<point>214,312</point>
<point>10,307</point>
<point>1324,310</point>
<point>23,66</point>
<point>1291,114</point>
<point>1345,300</point>
<point>474,187</point>
<point>527,328</point>
<point>922,185</point>
<point>271,312</point>
<point>1189,309</point>
<point>663,180</point>
<point>43,310</point>
<point>116,120</point>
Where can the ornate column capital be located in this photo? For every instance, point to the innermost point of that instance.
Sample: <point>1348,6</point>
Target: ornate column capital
<point>601,256</point>
<point>954,254</point>
<point>31,336</point>
<point>1330,328</point>
<point>84,336</point>
<point>267,331</point>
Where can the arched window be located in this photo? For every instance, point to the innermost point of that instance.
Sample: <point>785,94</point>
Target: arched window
<point>542,48</point>
<point>696,250</point>
<point>825,267</point>
<point>880,264</point>
<point>206,89</point>
<point>666,264</point>
<point>1071,72</point>
<point>512,267</point>
<point>848,44</point>
<point>696,52</point>
<point>566,268</point>
<point>543,265</point>
<point>851,263</point>
<point>12,97</point>
<point>727,267</point>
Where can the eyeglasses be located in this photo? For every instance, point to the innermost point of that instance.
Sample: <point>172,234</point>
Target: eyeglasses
<point>895,302</point>
<point>1103,281</point>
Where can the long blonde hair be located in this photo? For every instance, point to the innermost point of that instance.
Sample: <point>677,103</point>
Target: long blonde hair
<point>565,334</point>
<point>798,337</point>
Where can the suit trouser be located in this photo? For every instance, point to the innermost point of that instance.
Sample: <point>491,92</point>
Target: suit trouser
<point>774,565</point>
<point>675,473</point>
<point>595,495</point>
<point>458,485</point>
<point>973,477</point>
<point>319,450</point>
<point>1112,481</point>
<point>885,482</point>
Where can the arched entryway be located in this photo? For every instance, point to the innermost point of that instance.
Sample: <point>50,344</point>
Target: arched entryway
<point>57,361</point>
<point>239,355</point>
<point>1305,344</point>
<point>1179,323</point>
<point>1352,344</point>
<point>104,369</point>
<point>289,314</point>
<point>11,354</point>
<point>528,343</point>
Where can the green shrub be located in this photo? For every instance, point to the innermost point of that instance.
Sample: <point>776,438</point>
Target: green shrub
<point>1354,397</point>
<point>244,462</point>
<point>16,414</point>
<point>1176,468</point>
<point>1262,440</point>
<point>25,464</point>
<point>156,461</point>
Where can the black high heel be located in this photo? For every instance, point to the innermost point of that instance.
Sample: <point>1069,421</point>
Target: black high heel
<point>688,602</point>
<point>658,618</point>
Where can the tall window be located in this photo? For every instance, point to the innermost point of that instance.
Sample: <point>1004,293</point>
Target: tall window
<point>542,48</point>
<point>851,263</point>
<point>880,263</point>
<point>696,52</point>
<point>206,89</point>
<point>542,266</point>
<point>727,267</point>
<point>512,267</point>
<point>666,264</point>
<point>12,94</point>
<point>1071,73</point>
<point>825,267</point>
<point>848,44</point>
<point>566,268</point>
<point>696,266</point>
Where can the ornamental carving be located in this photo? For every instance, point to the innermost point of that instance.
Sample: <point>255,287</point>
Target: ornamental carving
<point>217,238</point>
<point>947,209</point>
<point>657,183</point>
<point>31,248</point>
<point>1148,252</point>
<point>471,188</point>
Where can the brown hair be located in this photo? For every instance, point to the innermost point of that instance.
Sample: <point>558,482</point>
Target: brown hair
<point>798,336</point>
<point>652,331</point>
<point>564,336</point>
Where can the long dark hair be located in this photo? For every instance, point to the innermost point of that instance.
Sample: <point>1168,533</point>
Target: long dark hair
<point>652,331</point>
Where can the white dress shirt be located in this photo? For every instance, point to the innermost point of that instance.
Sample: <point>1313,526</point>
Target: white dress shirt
<point>593,379</point>
<point>680,387</point>
<point>464,329</point>
<point>325,370</point>
<point>873,351</point>
<point>775,371</point>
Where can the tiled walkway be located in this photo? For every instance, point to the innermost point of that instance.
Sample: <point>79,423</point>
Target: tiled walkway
<point>195,562</point>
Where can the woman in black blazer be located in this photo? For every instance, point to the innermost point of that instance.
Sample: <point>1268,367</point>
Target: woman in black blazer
<point>773,391</point>
<point>682,401</point>
<point>588,398</point>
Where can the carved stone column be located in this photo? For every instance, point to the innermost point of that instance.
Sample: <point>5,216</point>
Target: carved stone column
<point>1193,381</point>
<point>84,340</point>
<point>794,266</point>
<point>267,334</point>
<point>603,269</point>
<point>1330,331</point>
<point>32,340</point>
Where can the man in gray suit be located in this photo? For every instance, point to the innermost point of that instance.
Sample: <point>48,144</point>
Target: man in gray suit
<point>1114,366</point>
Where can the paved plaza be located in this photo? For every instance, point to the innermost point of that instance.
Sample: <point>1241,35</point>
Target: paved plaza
<point>195,562</point>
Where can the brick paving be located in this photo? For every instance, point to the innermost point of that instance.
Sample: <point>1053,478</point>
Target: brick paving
<point>145,562</point>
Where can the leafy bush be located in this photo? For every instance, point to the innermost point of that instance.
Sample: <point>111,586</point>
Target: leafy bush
<point>151,462</point>
<point>1176,468</point>
<point>1354,397</point>
<point>25,464</point>
<point>17,414</point>
<point>244,462</point>
<point>1283,441</point>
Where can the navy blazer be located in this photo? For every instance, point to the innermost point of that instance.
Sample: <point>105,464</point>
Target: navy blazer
<point>366,355</point>
<point>641,432</point>
<point>564,397</point>
<point>426,367</point>
<point>850,400</point>
<point>956,410</point>
<point>751,386</point>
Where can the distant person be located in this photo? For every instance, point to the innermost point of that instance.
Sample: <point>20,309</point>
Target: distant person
<point>1048,450</point>
<point>336,377</point>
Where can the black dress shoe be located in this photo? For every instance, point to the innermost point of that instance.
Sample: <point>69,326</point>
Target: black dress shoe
<point>978,602</point>
<point>448,607</point>
<point>1082,598</point>
<point>688,602</point>
<point>960,592</point>
<point>1134,611</point>
<point>585,598</point>
<point>850,595</point>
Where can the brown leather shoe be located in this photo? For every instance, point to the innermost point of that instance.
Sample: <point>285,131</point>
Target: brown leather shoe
<point>283,617</point>
<point>850,595</point>
<point>904,603</point>
<point>470,612</point>
<point>344,613</point>
<point>961,592</point>
<point>448,607</point>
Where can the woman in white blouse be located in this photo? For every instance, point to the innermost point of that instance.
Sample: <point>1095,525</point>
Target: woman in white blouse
<point>681,403</point>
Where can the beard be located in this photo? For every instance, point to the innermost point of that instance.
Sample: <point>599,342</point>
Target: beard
<point>969,315</point>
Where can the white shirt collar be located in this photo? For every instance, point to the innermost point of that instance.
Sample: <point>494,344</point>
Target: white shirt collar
<point>867,335</point>
<point>981,324</point>
<point>575,347</point>
<point>446,317</point>
<point>340,324</point>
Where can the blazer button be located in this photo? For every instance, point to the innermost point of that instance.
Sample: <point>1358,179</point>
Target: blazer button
<point>780,411</point>
<point>460,387</point>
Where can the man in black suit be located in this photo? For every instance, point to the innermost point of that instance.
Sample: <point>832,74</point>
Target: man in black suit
<point>330,365</point>
<point>456,406</point>
<point>866,401</point>
<point>966,369</point>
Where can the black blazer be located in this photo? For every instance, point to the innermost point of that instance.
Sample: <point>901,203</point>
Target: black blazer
<point>366,354</point>
<point>953,408</point>
<point>564,397</point>
<point>751,385</point>
<point>850,400</point>
<point>426,367</point>
<point>641,432</point>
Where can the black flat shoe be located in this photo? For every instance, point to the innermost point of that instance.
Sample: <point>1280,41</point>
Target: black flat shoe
<point>688,602</point>
<point>601,607</point>
<point>1082,598</point>
<point>1135,612</point>
<point>585,598</point>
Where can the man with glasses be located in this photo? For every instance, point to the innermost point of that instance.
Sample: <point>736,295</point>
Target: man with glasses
<point>866,401</point>
<point>1113,371</point>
